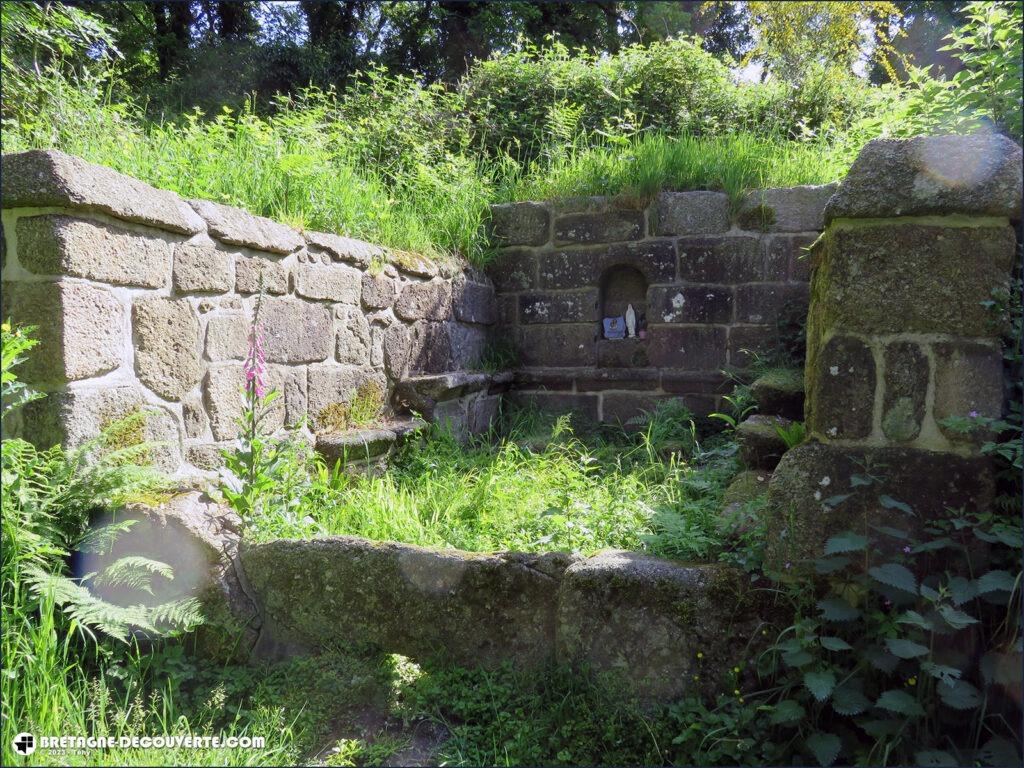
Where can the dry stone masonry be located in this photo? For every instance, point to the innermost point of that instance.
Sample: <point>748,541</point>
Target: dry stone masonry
<point>143,301</point>
<point>908,292</point>
<point>712,284</point>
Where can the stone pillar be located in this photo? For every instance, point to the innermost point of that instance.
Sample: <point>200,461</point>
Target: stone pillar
<point>902,333</point>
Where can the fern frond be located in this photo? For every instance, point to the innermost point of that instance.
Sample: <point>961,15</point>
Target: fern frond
<point>134,571</point>
<point>184,615</point>
<point>101,540</point>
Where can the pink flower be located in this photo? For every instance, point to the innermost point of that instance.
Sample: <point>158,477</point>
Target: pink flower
<point>255,365</point>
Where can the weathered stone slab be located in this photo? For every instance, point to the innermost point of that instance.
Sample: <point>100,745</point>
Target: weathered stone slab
<point>780,392</point>
<point>648,619</point>
<point>482,413</point>
<point>79,328</point>
<point>689,304</point>
<point>789,209</point>
<point>336,384</point>
<point>353,336</point>
<point>610,226</point>
<point>422,393</point>
<point>78,415</point>
<point>193,417</point>
<point>238,227</point>
<point>728,260</point>
<point>520,224</point>
<point>514,269</point>
<point>227,337</point>
<point>199,269</point>
<point>694,348</point>
<point>166,336</point>
<point>760,445</point>
<point>334,282</point>
<point>623,353</point>
<point>561,345</point>
<point>464,608</point>
<point>296,331</point>
<point>468,343</point>
<point>49,178</point>
<point>346,249</point>
<point>803,511</point>
<point>583,267</point>
<point>430,300</point>
<point>62,245</point>
<point>841,390</point>
<point>474,302</point>
<point>559,307</point>
<point>968,381</point>
<point>355,445</point>
<point>395,343</point>
<point>747,486</point>
<point>978,175</point>
<point>767,302</point>
<point>378,291</point>
<point>250,271</point>
<point>429,347</point>
<point>937,285</point>
<point>554,379</point>
<point>906,389</point>
<point>690,213</point>
<point>223,396</point>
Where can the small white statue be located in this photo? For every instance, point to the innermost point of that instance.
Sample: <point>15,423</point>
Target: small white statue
<point>630,322</point>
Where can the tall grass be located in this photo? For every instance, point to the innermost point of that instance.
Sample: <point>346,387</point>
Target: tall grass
<point>528,491</point>
<point>645,165</point>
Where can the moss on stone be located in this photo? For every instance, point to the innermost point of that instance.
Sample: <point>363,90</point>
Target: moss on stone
<point>759,217</point>
<point>746,486</point>
<point>784,379</point>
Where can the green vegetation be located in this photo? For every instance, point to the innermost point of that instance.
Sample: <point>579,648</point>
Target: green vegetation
<point>413,166</point>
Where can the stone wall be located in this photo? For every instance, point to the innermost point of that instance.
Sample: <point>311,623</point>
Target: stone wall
<point>712,283</point>
<point>143,301</point>
<point>908,299</point>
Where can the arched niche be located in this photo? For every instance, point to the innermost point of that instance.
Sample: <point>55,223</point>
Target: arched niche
<point>621,286</point>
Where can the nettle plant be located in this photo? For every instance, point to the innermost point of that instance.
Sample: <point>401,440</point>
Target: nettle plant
<point>906,648</point>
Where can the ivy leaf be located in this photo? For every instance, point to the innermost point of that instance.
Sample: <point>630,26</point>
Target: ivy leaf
<point>905,649</point>
<point>849,701</point>
<point>999,751</point>
<point>895,575</point>
<point>995,581</point>
<point>845,542</point>
<point>900,702</point>
<point>956,619</point>
<point>890,503</point>
<point>825,747</point>
<point>786,712</point>
<point>820,684</point>
<point>837,609</point>
<point>959,694</point>
<point>835,644</point>
<point>935,758</point>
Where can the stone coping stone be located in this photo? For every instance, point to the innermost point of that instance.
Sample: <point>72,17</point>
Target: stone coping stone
<point>786,209</point>
<point>238,227</point>
<point>760,445</point>
<point>780,392</point>
<point>422,393</point>
<point>647,619</point>
<point>45,178</point>
<point>345,248</point>
<point>932,175</point>
<point>371,442</point>
<point>463,607</point>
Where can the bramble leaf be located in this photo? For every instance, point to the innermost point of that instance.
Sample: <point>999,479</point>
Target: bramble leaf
<point>959,694</point>
<point>890,503</point>
<point>935,758</point>
<point>835,644</point>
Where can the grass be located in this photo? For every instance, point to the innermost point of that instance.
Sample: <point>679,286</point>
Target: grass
<point>646,165</point>
<point>304,166</point>
<point>539,488</point>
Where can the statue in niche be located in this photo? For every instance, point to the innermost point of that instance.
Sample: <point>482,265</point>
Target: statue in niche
<point>614,328</point>
<point>630,322</point>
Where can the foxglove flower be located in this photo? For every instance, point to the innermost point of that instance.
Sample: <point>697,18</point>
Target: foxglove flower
<point>255,365</point>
